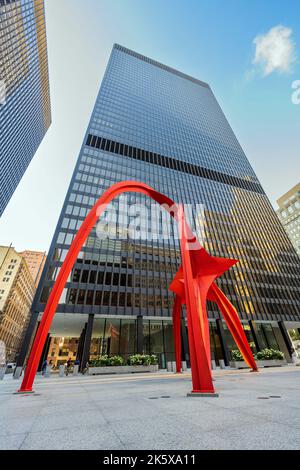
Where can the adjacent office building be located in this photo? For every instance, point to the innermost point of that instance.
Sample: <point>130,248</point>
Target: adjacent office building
<point>17,288</point>
<point>35,261</point>
<point>16,293</point>
<point>289,214</point>
<point>156,125</point>
<point>25,113</point>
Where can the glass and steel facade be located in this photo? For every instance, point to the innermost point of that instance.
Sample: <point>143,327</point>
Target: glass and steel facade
<point>159,126</point>
<point>25,113</point>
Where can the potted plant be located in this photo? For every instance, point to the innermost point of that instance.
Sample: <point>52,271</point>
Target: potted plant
<point>270,358</point>
<point>264,358</point>
<point>117,365</point>
<point>237,360</point>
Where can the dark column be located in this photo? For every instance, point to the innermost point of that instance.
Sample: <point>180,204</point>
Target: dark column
<point>221,333</point>
<point>286,338</point>
<point>139,334</point>
<point>253,331</point>
<point>80,344</point>
<point>87,343</point>
<point>27,340</point>
<point>45,352</point>
<point>184,343</point>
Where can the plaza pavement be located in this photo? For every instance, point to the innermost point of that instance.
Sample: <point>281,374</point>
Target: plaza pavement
<point>152,411</point>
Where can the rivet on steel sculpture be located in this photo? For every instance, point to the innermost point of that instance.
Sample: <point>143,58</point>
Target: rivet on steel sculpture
<point>193,285</point>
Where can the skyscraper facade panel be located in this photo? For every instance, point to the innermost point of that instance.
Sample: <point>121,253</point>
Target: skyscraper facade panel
<point>154,124</point>
<point>25,113</point>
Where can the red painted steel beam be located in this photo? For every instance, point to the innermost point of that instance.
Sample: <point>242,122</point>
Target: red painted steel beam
<point>80,238</point>
<point>200,366</point>
<point>233,322</point>
<point>198,272</point>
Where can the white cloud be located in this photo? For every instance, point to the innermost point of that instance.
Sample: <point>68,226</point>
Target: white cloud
<point>275,50</point>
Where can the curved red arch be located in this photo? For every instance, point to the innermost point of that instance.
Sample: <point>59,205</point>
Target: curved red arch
<point>200,362</point>
<point>80,238</point>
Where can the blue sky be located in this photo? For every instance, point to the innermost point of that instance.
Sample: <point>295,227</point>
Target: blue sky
<point>212,40</point>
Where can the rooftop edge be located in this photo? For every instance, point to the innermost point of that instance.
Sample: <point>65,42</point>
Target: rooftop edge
<point>160,65</point>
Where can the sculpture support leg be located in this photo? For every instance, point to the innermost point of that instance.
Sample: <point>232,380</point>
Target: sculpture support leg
<point>233,322</point>
<point>204,322</point>
<point>201,370</point>
<point>177,332</point>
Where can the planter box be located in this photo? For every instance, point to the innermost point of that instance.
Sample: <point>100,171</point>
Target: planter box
<point>272,363</point>
<point>121,369</point>
<point>238,365</point>
<point>261,363</point>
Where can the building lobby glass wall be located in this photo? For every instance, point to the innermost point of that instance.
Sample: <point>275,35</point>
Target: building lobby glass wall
<point>118,336</point>
<point>113,336</point>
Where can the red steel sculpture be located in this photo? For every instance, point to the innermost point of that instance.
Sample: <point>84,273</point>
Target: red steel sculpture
<point>193,285</point>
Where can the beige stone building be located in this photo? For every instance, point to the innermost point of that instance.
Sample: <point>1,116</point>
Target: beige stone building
<point>35,261</point>
<point>289,214</point>
<point>19,275</point>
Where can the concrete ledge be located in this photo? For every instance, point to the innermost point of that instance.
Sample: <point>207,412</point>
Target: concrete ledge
<point>260,363</point>
<point>122,369</point>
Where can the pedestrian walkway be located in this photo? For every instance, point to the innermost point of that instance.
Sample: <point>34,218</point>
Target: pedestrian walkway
<point>152,411</point>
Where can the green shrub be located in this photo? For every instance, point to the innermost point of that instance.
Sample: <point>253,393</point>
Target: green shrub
<point>264,355</point>
<point>133,360</point>
<point>105,361</point>
<point>153,360</point>
<point>100,361</point>
<point>136,360</point>
<point>269,354</point>
<point>116,361</point>
<point>236,355</point>
<point>142,360</point>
